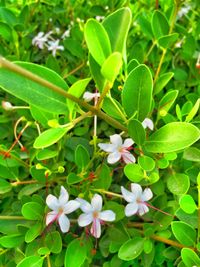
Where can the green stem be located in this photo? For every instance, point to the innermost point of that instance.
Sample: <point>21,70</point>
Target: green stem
<point>14,68</point>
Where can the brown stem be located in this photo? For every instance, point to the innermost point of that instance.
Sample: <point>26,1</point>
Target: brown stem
<point>24,182</point>
<point>74,70</point>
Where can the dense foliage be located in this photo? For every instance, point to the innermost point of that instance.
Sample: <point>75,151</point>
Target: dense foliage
<point>99,130</point>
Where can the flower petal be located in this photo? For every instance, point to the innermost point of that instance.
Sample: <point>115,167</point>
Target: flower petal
<point>116,140</point>
<point>107,147</point>
<point>51,217</point>
<point>71,206</point>
<point>148,123</point>
<point>84,205</point>
<point>128,196</point>
<point>87,96</point>
<point>96,202</point>
<point>107,215</point>
<point>136,190</point>
<point>64,196</point>
<point>128,157</point>
<point>85,219</point>
<point>114,157</point>
<point>96,228</point>
<point>64,223</point>
<point>142,209</point>
<point>128,142</point>
<point>52,202</point>
<point>147,194</point>
<point>131,209</point>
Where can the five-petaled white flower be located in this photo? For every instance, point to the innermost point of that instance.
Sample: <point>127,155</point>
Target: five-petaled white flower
<point>93,214</point>
<point>137,199</point>
<point>118,150</point>
<point>148,123</point>
<point>87,96</point>
<point>40,39</point>
<point>61,206</point>
<point>54,46</point>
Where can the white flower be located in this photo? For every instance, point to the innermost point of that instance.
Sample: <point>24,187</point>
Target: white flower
<point>66,34</point>
<point>89,96</point>
<point>148,123</point>
<point>54,46</point>
<point>7,105</point>
<point>118,150</point>
<point>40,39</point>
<point>93,214</point>
<point>61,206</point>
<point>99,18</point>
<point>183,11</point>
<point>137,199</point>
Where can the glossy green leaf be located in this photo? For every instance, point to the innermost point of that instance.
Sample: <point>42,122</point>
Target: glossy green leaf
<point>193,111</point>
<point>27,190</point>
<point>53,241</point>
<point>146,163</point>
<point>134,172</point>
<point>33,232</point>
<point>95,70</point>
<point>46,154</point>
<point>11,241</point>
<point>5,31</point>
<point>31,261</point>
<point>136,131</point>
<point>178,183</point>
<point>166,102</point>
<point>189,257</point>
<point>76,254</point>
<point>172,137</point>
<point>103,177</point>
<point>73,178</point>
<point>159,24</point>
<point>184,233</point>
<point>34,93</point>
<point>117,26</point>
<point>192,154</point>
<point>137,93</point>
<point>32,211</point>
<point>97,41</point>
<point>5,186</point>
<point>131,249</point>
<point>50,137</point>
<point>133,63</point>
<point>162,81</point>
<point>82,157</point>
<point>113,108</point>
<point>168,40</point>
<point>41,116</point>
<point>111,66</point>
<point>187,204</point>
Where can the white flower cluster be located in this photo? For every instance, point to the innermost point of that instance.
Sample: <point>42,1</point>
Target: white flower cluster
<point>92,212</point>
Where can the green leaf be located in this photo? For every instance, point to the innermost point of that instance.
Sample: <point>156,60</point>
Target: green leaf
<point>50,137</point>
<point>162,81</point>
<point>187,204</point>
<point>178,183</point>
<point>192,154</point>
<point>172,137</point>
<point>31,261</point>
<point>168,40</point>
<point>29,189</point>
<point>189,257</point>
<point>77,90</point>
<point>184,233</point>
<point>97,41</point>
<point>32,92</point>
<point>111,66</point>
<point>117,26</point>
<point>46,154</point>
<point>159,24</point>
<point>103,178</point>
<point>32,211</point>
<point>33,232</point>
<point>82,157</point>
<point>193,111</point>
<point>41,116</point>
<point>134,172</point>
<point>53,241</point>
<point>95,70</point>
<point>166,102</point>
<point>76,254</point>
<point>131,249</point>
<point>133,63</point>
<point>73,178</point>
<point>11,241</point>
<point>5,186</point>
<point>137,93</point>
<point>5,31</point>
<point>136,131</point>
<point>146,163</point>
<point>113,108</point>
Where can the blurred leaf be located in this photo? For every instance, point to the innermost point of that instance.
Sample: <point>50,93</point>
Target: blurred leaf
<point>159,24</point>
<point>187,204</point>
<point>32,211</point>
<point>76,254</point>
<point>184,233</point>
<point>178,183</point>
<point>131,249</point>
<point>190,258</point>
<point>111,66</point>
<point>192,154</point>
<point>136,132</point>
<point>162,81</point>
<point>31,261</point>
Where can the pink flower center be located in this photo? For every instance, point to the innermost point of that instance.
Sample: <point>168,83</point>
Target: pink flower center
<point>95,214</point>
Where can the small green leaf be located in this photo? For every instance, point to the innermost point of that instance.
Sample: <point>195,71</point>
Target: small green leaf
<point>11,241</point>
<point>131,249</point>
<point>190,258</point>
<point>76,254</point>
<point>162,81</point>
<point>53,241</point>
<point>33,232</point>
<point>97,41</point>
<point>172,137</point>
<point>137,92</point>
<point>111,66</point>
<point>50,137</point>
<point>193,111</point>
<point>133,63</point>
<point>46,154</point>
<point>184,233</point>
<point>192,154</point>
<point>159,24</point>
<point>73,178</point>
<point>187,204</point>
<point>82,157</point>
<point>136,131</point>
<point>146,163</point>
<point>31,261</point>
<point>5,186</point>
<point>168,40</point>
<point>113,108</point>
<point>178,183</point>
<point>166,102</point>
<point>32,211</point>
<point>134,172</point>
<point>103,177</point>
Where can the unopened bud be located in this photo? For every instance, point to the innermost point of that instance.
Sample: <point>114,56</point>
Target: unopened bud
<point>61,169</point>
<point>7,105</point>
